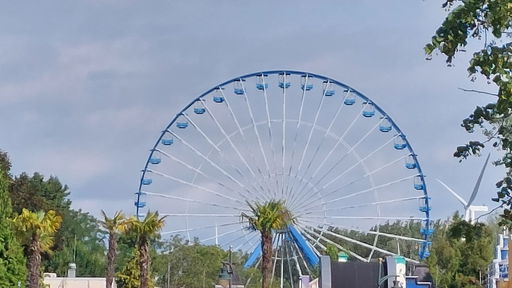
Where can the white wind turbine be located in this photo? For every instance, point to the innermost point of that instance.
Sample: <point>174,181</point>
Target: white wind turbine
<point>469,210</point>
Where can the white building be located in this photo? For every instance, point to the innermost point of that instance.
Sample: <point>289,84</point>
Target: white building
<point>498,269</point>
<point>52,281</point>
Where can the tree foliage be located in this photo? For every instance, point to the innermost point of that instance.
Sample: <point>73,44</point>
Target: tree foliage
<point>488,22</point>
<point>265,218</point>
<point>12,262</point>
<point>36,231</point>
<point>79,241</point>
<point>129,276</point>
<point>460,253</point>
<point>37,194</point>
<point>146,230</point>
<point>113,227</point>
<point>190,264</point>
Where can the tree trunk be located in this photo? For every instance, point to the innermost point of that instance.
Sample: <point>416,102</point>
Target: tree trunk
<point>144,263</point>
<point>266,258</point>
<point>111,259</point>
<point>34,262</point>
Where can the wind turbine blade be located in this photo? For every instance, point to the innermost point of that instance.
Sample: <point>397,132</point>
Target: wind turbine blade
<point>464,203</point>
<point>477,185</point>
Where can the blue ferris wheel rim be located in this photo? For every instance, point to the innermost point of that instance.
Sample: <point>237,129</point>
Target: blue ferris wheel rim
<point>424,246</point>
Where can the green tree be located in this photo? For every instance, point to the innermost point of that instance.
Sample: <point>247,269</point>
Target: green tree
<point>36,231</point>
<point>489,21</point>
<point>35,193</point>
<point>187,264</point>
<point>12,262</point>
<point>129,276</point>
<point>146,230</point>
<point>113,226</point>
<point>332,252</point>
<point>460,253</point>
<point>79,240</point>
<point>266,218</point>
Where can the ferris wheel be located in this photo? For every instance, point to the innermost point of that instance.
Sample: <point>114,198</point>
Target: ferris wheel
<point>339,163</point>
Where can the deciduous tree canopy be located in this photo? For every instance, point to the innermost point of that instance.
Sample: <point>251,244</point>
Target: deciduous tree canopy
<point>489,23</point>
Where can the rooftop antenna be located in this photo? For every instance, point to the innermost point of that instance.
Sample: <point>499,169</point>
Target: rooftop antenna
<point>469,210</point>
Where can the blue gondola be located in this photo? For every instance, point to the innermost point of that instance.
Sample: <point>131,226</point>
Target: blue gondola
<point>238,87</point>
<point>140,204</point>
<point>400,143</point>
<point>199,110</point>
<point>182,125</point>
<point>385,125</point>
<point>418,183</point>
<point>410,163</point>
<point>369,110</point>
<point>261,86</point>
<point>167,141</point>
<point>350,100</point>
<point>329,92</point>
<point>425,253</point>
<point>147,181</point>
<point>284,85</point>
<point>425,209</point>
<point>305,83</point>
<point>218,99</point>
<point>427,231</point>
<point>307,87</point>
<point>155,160</point>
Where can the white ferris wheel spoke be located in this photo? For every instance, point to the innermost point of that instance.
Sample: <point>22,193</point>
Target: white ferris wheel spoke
<point>276,240</point>
<point>340,208</point>
<point>325,239</point>
<point>394,236</point>
<point>237,151</point>
<point>240,130</point>
<point>248,241</point>
<point>358,179</point>
<point>255,128</point>
<point>305,149</point>
<point>213,204</point>
<point>307,193</point>
<point>358,163</point>
<point>293,246</point>
<point>269,126</point>
<point>346,154</point>
<point>314,242</point>
<point>200,228</point>
<point>215,146</point>
<point>365,245</point>
<point>195,185</point>
<point>366,217</point>
<point>208,160</point>
<point>326,133</point>
<point>198,171</point>
<point>220,235</point>
<point>299,121</point>
<point>283,141</point>
<point>373,188</point>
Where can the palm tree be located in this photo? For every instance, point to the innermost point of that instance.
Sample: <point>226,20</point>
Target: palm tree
<point>114,226</point>
<point>266,217</point>
<point>145,230</point>
<point>36,231</point>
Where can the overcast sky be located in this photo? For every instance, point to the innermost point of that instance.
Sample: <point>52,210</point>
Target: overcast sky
<point>87,86</point>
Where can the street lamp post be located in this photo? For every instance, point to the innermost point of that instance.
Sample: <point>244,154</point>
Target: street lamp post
<point>226,272</point>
